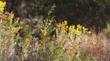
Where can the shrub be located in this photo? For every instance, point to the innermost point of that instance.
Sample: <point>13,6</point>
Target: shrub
<point>58,42</point>
<point>18,43</point>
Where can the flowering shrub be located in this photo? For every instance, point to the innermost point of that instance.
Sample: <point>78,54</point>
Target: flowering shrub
<point>57,41</point>
<point>17,40</point>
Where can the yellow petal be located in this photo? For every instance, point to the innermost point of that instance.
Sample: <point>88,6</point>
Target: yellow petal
<point>2,4</point>
<point>65,22</point>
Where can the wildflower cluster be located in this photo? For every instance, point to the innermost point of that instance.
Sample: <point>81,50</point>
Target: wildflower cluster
<point>72,29</point>
<point>19,40</point>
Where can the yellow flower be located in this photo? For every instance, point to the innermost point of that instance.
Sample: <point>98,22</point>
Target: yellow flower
<point>72,29</point>
<point>78,32</point>
<point>79,26</point>
<point>65,22</point>
<point>1,10</point>
<point>2,5</point>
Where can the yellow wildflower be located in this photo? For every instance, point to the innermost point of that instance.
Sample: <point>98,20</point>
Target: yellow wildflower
<point>2,5</point>
<point>79,26</point>
<point>65,22</point>
<point>78,32</point>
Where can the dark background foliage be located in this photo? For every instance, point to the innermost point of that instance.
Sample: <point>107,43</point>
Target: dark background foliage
<point>91,13</point>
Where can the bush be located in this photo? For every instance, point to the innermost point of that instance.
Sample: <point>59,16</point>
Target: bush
<point>17,40</point>
<point>57,41</point>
